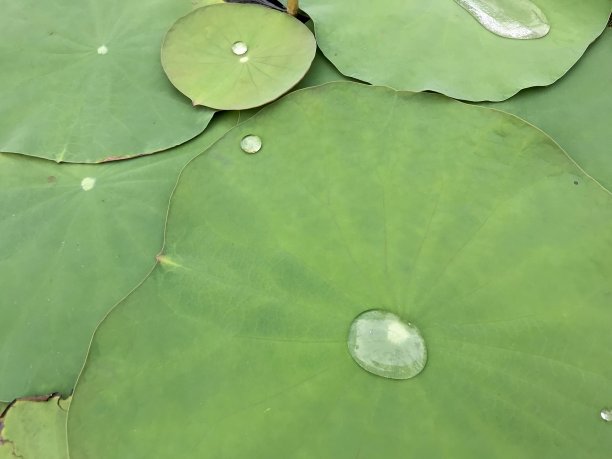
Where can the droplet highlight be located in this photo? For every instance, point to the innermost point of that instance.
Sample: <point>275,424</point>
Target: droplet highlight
<point>102,50</point>
<point>383,344</point>
<point>239,48</point>
<point>517,19</point>
<point>88,183</point>
<point>606,414</point>
<point>250,144</point>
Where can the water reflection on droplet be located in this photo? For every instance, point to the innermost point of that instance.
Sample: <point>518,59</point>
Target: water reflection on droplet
<point>88,183</point>
<point>381,343</point>
<point>606,414</point>
<point>250,144</point>
<point>518,19</point>
<point>239,48</point>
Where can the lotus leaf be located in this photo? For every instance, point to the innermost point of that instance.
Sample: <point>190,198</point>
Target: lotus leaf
<point>465,221</point>
<point>75,240</point>
<point>321,71</point>
<point>82,81</point>
<point>237,56</point>
<point>35,430</point>
<point>576,110</point>
<point>437,45</point>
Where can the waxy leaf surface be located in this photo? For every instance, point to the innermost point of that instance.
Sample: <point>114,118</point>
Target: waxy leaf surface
<point>464,221</point>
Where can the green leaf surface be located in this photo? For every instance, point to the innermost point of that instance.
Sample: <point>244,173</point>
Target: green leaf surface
<point>321,71</point>
<point>82,82</point>
<point>576,111</point>
<point>437,45</point>
<point>35,430</point>
<point>75,240</point>
<point>466,222</point>
<point>201,57</point>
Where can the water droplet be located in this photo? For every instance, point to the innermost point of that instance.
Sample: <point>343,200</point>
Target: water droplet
<point>88,183</point>
<point>606,414</point>
<point>244,59</point>
<point>239,48</point>
<point>102,50</point>
<point>250,144</point>
<point>518,19</point>
<point>381,343</point>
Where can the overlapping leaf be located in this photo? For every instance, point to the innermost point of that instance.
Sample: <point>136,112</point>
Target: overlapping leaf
<point>35,430</point>
<point>75,240</point>
<point>234,57</point>
<point>437,45</point>
<point>82,81</point>
<point>576,111</point>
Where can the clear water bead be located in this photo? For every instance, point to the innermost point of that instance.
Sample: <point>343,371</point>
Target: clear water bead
<point>606,414</point>
<point>250,144</point>
<point>239,48</point>
<point>518,19</point>
<point>381,343</point>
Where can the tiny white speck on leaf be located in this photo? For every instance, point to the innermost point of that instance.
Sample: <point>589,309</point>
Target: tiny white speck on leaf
<point>88,183</point>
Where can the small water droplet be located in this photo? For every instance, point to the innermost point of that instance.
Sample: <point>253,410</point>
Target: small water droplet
<point>244,59</point>
<point>239,48</point>
<point>606,414</point>
<point>518,19</point>
<point>102,50</point>
<point>88,183</point>
<point>250,144</point>
<point>381,343</point>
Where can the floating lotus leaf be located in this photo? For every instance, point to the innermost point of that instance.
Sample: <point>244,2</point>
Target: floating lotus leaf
<point>466,222</point>
<point>35,430</point>
<point>576,110</point>
<point>437,45</point>
<point>234,56</point>
<point>75,240</point>
<point>82,81</point>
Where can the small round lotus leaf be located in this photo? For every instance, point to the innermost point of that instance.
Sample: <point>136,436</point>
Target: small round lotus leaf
<point>81,81</point>
<point>436,45</point>
<point>235,56</point>
<point>461,220</point>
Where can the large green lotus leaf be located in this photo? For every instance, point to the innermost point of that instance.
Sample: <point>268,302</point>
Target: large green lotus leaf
<point>35,430</point>
<point>576,110</point>
<point>437,45</point>
<point>75,240</point>
<point>234,56</point>
<point>465,221</point>
<point>81,81</point>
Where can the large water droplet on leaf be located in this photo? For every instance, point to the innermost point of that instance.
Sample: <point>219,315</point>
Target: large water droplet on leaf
<point>606,414</point>
<point>383,344</point>
<point>518,19</point>
<point>250,144</point>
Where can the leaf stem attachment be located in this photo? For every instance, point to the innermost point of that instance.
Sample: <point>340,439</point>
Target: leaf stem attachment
<point>293,7</point>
